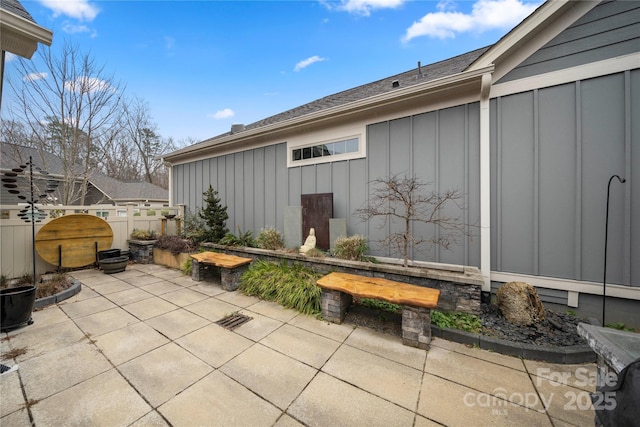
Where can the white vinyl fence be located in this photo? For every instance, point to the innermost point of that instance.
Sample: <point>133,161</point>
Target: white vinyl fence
<point>16,257</point>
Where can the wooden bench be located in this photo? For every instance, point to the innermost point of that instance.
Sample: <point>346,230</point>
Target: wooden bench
<point>338,290</point>
<point>231,268</point>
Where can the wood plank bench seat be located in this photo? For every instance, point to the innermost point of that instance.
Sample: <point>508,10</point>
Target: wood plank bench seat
<point>231,268</point>
<point>338,290</point>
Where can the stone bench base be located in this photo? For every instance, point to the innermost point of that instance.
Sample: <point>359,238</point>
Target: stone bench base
<point>416,321</point>
<point>229,277</point>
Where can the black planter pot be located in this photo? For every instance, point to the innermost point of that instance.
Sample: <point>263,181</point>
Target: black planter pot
<point>109,253</point>
<point>114,265</point>
<point>16,306</point>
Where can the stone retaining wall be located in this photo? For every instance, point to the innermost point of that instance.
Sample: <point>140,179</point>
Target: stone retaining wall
<point>459,289</point>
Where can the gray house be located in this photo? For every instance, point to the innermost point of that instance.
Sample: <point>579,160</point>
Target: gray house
<point>101,189</point>
<point>530,129</point>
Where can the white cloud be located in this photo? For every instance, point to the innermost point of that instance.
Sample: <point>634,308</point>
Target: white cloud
<point>87,85</point>
<point>222,114</point>
<point>32,77</point>
<point>486,15</point>
<point>9,57</point>
<point>305,63</point>
<point>78,9</point>
<point>362,7</point>
<point>70,28</point>
<point>169,42</point>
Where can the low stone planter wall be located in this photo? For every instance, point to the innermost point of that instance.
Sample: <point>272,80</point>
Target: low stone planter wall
<point>459,289</point>
<point>141,250</point>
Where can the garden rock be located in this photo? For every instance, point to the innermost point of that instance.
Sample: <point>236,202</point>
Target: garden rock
<point>520,304</point>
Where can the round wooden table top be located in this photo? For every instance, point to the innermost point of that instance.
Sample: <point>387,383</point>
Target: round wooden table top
<point>77,234</point>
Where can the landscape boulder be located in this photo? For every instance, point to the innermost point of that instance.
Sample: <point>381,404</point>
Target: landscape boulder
<point>520,304</point>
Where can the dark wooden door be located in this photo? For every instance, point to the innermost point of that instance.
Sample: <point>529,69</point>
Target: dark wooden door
<point>317,209</point>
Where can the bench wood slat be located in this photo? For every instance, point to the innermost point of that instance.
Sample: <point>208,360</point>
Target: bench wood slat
<point>221,260</point>
<point>379,288</point>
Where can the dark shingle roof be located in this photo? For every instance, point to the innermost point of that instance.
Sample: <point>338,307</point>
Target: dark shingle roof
<point>12,155</point>
<point>430,72</point>
<point>16,8</point>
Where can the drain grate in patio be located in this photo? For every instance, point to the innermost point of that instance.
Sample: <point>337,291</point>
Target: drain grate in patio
<point>232,321</point>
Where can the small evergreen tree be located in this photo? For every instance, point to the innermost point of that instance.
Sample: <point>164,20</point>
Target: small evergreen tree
<point>214,216</point>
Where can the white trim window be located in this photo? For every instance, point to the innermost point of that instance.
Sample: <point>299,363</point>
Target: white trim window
<point>330,151</point>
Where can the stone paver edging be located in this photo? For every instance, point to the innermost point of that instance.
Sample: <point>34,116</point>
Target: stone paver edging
<point>60,296</point>
<point>562,355</point>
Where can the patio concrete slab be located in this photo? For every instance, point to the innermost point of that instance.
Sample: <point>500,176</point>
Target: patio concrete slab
<point>304,346</point>
<point>208,288</point>
<point>258,327</point>
<point>387,346</point>
<point>145,279</point>
<point>152,419</point>
<point>164,372</point>
<point>161,287</point>
<point>328,401</point>
<point>452,404</point>
<point>86,307</point>
<point>424,422</point>
<point>73,365</point>
<point>238,299</point>
<point>42,340</point>
<point>479,374</point>
<point>152,307</point>
<point>286,421</point>
<point>182,280</point>
<point>183,297</point>
<point>166,273</point>
<point>177,323</point>
<point>497,358</point>
<point>212,309</point>
<point>47,316</point>
<point>562,402</point>
<point>98,279</point>
<point>129,342</point>
<point>106,321</point>
<point>275,377</point>
<point>114,286</point>
<point>11,392</point>
<point>85,293</point>
<point>219,400</point>
<point>128,273</point>
<point>385,378</point>
<point>579,376</point>
<point>104,400</point>
<point>273,310</point>
<point>214,344</point>
<point>129,296</point>
<point>17,418</point>
<point>322,327</point>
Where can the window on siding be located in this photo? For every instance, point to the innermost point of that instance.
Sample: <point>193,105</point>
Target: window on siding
<point>322,151</point>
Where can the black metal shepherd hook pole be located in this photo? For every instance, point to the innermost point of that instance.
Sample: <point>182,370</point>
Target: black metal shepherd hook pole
<point>606,238</point>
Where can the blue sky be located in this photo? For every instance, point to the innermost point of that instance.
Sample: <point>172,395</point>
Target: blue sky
<point>204,65</point>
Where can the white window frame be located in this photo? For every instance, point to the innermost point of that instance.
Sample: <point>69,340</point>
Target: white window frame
<point>359,153</point>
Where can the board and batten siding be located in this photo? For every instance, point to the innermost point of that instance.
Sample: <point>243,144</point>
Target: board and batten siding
<point>609,30</point>
<point>439,147</point>
<point>553,151</point>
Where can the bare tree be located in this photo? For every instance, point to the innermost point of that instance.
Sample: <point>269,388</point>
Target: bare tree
<point>69,104</point>
<point>403,199</point>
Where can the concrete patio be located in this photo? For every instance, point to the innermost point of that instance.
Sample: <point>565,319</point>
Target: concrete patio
<point>140,348</point>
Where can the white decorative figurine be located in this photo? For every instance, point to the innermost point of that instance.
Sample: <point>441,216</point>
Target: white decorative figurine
<point>310,243</point>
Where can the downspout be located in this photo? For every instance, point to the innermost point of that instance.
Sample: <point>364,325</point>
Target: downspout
<point>485,182</point>
<point>170,183</point>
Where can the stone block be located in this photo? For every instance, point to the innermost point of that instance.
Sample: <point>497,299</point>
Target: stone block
<point>416,327</point>
<point>334,305</point>
<point>293,226</point>
<point>337,228</point>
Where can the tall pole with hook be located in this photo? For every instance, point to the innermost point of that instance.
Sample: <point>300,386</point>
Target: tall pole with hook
<point>606,241</point>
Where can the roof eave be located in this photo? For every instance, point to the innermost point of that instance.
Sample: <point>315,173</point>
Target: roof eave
<point>537,23</point>
<point>399,95</point>
<point>21,36</point>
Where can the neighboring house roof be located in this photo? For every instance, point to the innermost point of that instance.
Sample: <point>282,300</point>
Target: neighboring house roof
<point>19,33</point>
<point>114,190</point>
<point>532,33</point>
